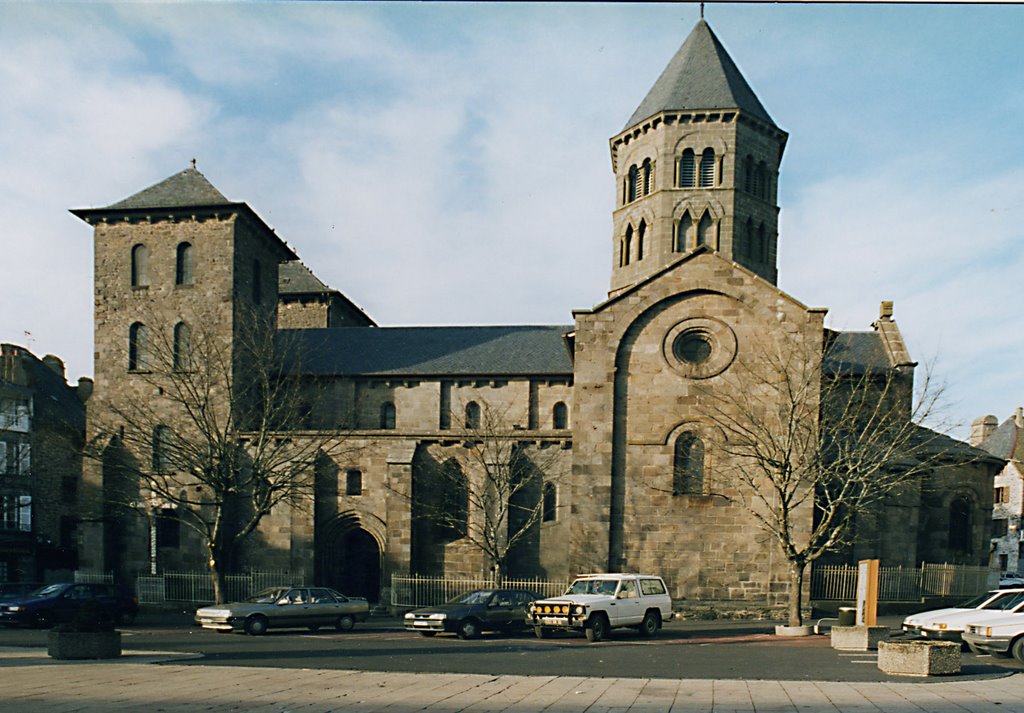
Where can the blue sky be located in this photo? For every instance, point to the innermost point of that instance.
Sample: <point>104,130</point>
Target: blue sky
<point>448,163</point>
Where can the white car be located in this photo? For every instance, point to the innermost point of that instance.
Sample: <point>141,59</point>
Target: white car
<point>948,624</point>
<point>1003,636</point>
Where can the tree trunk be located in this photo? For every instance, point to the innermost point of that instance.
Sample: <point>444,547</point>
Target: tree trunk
<point>796,593</point>
<point>217,577</point>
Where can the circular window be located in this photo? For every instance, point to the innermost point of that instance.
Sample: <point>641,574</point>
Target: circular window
<point>700,347</point>
<point>692,347</point>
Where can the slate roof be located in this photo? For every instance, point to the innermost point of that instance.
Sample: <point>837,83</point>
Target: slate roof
<point>187,188</point>
<point>499,351</point>
<point>294,278</point>
<point>701,75</point>
<point>935,443</point>
<point>856,353</point>
<point>1005,442</point>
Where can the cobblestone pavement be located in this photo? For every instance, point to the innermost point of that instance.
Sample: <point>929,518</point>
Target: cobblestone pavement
<point>32,683</point>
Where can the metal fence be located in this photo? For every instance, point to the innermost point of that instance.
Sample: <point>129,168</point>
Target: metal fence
<point>417,591</point>
<point>902,584</point>
<point>198,586</point>
<point>84,577</point>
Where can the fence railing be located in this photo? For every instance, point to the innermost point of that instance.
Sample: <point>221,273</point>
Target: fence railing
<point>901,584</point>
<point>84,577</point>
<point>419,591</point>
<point>198,587</point>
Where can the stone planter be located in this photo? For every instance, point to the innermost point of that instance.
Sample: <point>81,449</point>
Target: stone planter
<point>84,645</point>
<point>919,658</point>
<point>858,638</point>
<point>782,630</point>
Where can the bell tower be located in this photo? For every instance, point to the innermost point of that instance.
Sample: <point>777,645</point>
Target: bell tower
<point>696,164</point>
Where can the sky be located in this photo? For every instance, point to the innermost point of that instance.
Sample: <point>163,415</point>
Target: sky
<point>449,163</point>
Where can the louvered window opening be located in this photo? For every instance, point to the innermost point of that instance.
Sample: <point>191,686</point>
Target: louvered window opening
<point>687,170</point>
<point>707,168</point>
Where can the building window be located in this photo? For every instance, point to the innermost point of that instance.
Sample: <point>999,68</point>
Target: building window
<point>387,415</point>
<point>16,512</point>
<point>183,265</point>
<point>684,232</point>
<point>761,180</point>
<point>640,240</point>
<point>960,525</point>
<point>549,512</point>
<point>167,529</point>
<point>688,466</point>
<point>761,249</point>
<point>560,416</point>
<point>182,346</point>
<point>472,415</point>
<point>354,482</point>
<point>687,169</point>
<point>1002,495</point>
<point>748,174</point>
<point>705,230</point>
<point>15,415</point>
<point>747,249</point>
<point>257,282</point>
<point>707,168</point>
<point>138,347</point>
<point>140,266</point>
<point>15,458</point>
<point>161,449</point>
<point>632,184</point>
<point>627,245</point>
<point>1000,527</point>
<point>648,176</point>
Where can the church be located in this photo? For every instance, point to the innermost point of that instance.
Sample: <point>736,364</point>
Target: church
<point>609,411</point>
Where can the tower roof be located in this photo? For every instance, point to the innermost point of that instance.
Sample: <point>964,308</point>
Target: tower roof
<point>701,75</point>
<point>187,188</point>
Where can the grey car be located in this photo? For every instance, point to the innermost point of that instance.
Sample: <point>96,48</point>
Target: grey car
<point>286,607</point>
<point>470,614</point>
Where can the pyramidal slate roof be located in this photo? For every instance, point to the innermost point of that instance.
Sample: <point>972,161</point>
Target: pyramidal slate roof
<point>1006,442</point>
<point>856,353</point>
<point>701,75</point>
<point>430,351</point>
<point>187,188</point>
<point>294,278</point>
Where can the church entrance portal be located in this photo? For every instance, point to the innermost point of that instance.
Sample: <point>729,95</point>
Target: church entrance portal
<point>348,559</point>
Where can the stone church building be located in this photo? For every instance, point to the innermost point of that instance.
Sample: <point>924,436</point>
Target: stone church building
<point>604,406</point>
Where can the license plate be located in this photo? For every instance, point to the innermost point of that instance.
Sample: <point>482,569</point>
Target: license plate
<point>551,621</point>
<point>420,623</point>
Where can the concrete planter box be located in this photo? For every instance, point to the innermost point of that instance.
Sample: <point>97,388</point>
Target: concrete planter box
<point>919,658</point>
<point>858,638</point>
<point>84,645</point>
<point>782,630</point>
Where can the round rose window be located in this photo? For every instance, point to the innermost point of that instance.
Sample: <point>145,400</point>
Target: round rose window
<point>700,347</point>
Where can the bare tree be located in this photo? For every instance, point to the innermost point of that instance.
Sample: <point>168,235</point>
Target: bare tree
<point>808,444</point>
<point>215,431</point>
<point>494,494</point>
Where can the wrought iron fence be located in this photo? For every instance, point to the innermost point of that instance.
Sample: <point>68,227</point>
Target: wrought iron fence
<point>85,577</point>
<point>901,584</point>
<point>197,587</point>
<point>418,591</point>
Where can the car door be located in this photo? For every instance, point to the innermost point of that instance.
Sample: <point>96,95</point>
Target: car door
<point>499,611</point>
<point>291,609</point>
<point>324,609</point>
<point>71,601</point>
<point>628,605</point>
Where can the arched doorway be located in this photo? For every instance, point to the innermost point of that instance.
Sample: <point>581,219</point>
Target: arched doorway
<point>348,558</point>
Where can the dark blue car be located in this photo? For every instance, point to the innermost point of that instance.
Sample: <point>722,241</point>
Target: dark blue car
<point>56,603</point>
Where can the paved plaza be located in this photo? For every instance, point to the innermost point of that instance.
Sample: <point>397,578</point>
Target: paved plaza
<point>153,682</point>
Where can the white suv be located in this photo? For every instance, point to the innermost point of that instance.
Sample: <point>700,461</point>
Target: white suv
<point>597,603</point>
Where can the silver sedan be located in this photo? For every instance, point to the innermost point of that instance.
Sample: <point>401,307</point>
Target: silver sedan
<point>286,607</point>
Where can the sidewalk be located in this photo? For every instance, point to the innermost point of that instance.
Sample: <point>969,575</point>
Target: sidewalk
<point>35,683</point>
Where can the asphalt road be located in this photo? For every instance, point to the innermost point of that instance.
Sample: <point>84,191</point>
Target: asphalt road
<point>686,650</point>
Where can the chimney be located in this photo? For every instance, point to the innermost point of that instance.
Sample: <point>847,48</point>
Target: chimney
<point>1018,418</point>
<point>56,365</point>
<point>982,428</point>
<point>885,310</point>
<point>84,390</point>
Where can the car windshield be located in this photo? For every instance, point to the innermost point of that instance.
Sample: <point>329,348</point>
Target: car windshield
<point>1007,601</point>
<point>480,597</point>
<point>592,586</point>
<point>268,596</point>
<point>976,602</point>
<point>47,590</point>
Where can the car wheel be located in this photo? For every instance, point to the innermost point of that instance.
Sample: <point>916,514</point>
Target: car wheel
<point>1017,649</point>
<point>314,627</point>
<point>597,629</point>
<point>541,633</point>
<point>345,622</point>
<point>41,621</point>
<point>428,633</point>
<point>256,626</point>
<point>650,625</point>
<point>468,629</point>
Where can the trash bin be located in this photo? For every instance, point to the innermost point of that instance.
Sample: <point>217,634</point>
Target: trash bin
<point>847,616</point>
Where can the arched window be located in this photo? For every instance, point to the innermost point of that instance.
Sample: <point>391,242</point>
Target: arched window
<point>748,174</point>
<point>140,266</point>
<point>549,512</point>
<point>705,230</point>
<point>748,250</point>
<point>648,176</point>
<point>353,482</point>
<point>633,184</point>
<point>387,415</point>
<point>182,346</point>
<point>473,415</point>
<point>761,180</point>
<point>707,168</point>
<point>455,499</point>
<point>161,449</point>
<point>627,245</point>
<point>138,347</point>
<point>761,249</point>
<point>688,466</point>
<point>257,282</point>
<point>183,265</point>
<point>640,240</point>
<point>961,523</point>
<point>684,231</point>
<point>560,416</point>
<point>687,169</point>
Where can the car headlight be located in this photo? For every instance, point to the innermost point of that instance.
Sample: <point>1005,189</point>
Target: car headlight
<point>15,608</point>
<point>942,626</point>
<point>438,616</point>
<point>579,609</point>
<point>408,615</point>
<point>988,631</point>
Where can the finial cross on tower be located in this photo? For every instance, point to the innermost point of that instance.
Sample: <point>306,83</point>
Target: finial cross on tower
<point>193,162</point>
<point>702,11</point>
